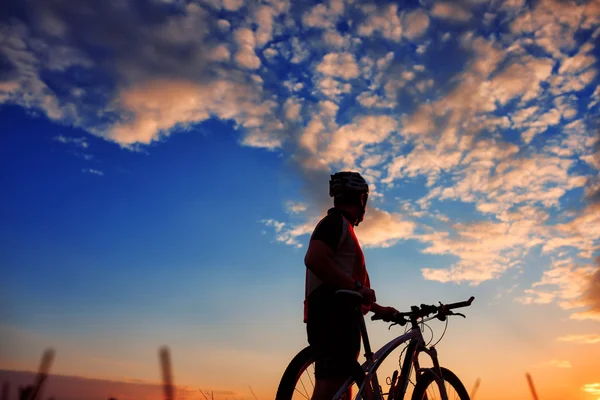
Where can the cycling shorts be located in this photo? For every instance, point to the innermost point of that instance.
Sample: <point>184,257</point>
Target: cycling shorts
<point>333,330</point>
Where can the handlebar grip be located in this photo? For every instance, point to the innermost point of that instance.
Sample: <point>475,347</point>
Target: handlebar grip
<point>461,303</point>
<point>397,318</point>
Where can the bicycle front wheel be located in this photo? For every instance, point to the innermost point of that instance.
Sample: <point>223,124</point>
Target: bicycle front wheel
<point>428,389</point>
<point>298,380</point>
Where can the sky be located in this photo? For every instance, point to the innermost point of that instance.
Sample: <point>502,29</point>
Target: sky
<point>164,162</point>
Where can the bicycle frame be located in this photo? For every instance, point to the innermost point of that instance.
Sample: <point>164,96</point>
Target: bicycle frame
<point>415,346</point>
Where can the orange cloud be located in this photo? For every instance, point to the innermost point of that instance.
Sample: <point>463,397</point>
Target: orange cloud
<point>157,107</point>
<point>591,338</point>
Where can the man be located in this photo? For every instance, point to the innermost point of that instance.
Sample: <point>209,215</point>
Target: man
<point>335,261</point>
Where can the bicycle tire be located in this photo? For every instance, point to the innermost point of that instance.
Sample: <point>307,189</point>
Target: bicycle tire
<point>300,364</point>
<point>427,378</point>
<point>292,374</point>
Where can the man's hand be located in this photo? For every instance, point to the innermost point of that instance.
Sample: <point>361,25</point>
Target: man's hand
<point>368,295</point>
<point>385,313</point>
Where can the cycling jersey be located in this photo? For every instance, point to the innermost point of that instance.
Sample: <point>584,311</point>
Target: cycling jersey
<point>336,230</point>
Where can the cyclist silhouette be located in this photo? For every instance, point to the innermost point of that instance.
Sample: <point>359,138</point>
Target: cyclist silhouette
<point>335,261</point>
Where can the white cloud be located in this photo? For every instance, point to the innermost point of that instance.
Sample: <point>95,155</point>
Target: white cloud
<point>296,207</point>
<point>349,141</point>
<point>386,21</point>
<point>383,229</point>
<point>158,107</point>
<point>561,363</point>
<point>292,108</point>
<point>333,88</point>
<point>220,53</point>
<point>591,338</point>
<point>415,23</point>
<point>264,18</point>
<point>245,57</point>
<point>334,39</point>
<point>270,53</point>
<point>233,5</point>
<point>339,65</point>
<point>80,142</point>
<point>322,15</point>
<point>299,50</point>
<point>591,388</point>
<point>25,87</point>
<point>451,11</point>
<point>290,235</point>
<point>224,25</point>
<point>93,171</point>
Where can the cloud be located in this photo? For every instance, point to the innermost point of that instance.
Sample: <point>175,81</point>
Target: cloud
<point>157,107</point>
<point>383,229</point>
<point>93,171</point>
<point>322,15</point>
<point>289,234</point>
<point>591,338</point>
<point>591,388</point>
<point>79,142</point>
<point>349,141</point>
<point>220,53</point>
<point>554,24</point>
<point>451,11</point>
<point>233,5</point>
<point>296,207</point>
<point>590,297</point>
<point>292,108</point>
<point>485,249</point>
<point>561,364</point>
<point>385,21</point>
<point>342,65</point>
<point>245,56</point>
<point>415,23</point>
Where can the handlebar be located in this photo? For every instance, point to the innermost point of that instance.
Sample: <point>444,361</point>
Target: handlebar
<point>425,310</point>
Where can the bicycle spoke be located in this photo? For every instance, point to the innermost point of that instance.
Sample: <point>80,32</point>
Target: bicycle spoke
<point>304,387</point>
<point>302,394</point>
<point>433,392</point>
<point>311,381</point>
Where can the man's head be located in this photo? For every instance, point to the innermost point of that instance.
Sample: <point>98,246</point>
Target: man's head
<point>350,192</point>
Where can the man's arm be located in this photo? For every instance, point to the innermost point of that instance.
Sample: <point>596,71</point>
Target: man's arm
<point>319,260</point>
<point>383,310</point>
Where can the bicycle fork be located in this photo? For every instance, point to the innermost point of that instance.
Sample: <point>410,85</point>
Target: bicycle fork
<point>437,371</point>
<point>376,389</point>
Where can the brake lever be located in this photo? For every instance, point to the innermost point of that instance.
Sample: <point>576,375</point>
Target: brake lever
<point>456,313</point>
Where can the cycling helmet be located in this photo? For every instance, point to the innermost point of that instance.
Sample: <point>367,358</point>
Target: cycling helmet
<point>346,182</point>
<point>350,188</point>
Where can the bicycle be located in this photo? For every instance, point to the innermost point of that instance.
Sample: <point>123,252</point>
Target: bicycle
<point>438,377</point>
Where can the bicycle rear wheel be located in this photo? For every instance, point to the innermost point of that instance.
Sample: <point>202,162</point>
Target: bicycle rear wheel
<point>298,380</point>
<point>427,389</point>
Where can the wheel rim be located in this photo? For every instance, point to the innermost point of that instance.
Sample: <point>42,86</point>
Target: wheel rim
<point>433,392</point>
<point>305,382</point>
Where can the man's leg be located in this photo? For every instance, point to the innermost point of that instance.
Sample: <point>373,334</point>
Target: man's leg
<point>325,389</point>
<point>333,339</point>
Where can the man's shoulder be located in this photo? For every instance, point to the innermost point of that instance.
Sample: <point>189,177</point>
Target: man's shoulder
<point>333,217</point>
<point>330,228</point>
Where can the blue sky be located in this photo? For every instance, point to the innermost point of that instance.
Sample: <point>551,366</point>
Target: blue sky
<point>164,162</point>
